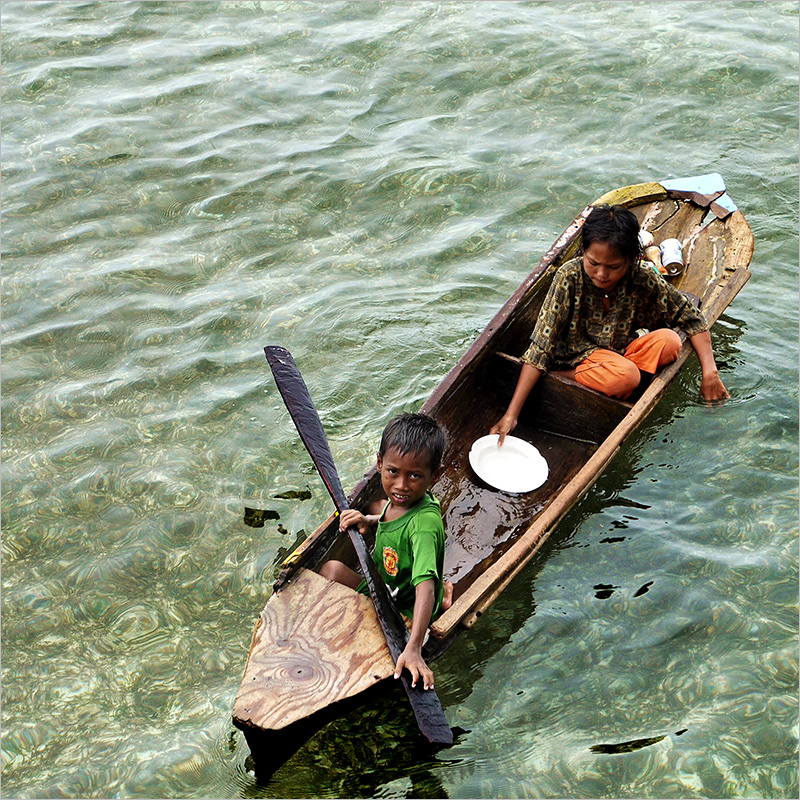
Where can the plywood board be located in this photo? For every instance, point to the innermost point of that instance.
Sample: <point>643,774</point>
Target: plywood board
<point>316,643</point>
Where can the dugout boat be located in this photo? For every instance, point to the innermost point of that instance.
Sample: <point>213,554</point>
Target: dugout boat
<point>317,648</point>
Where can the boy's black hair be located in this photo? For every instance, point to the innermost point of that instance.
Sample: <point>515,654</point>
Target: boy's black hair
<point>414,433</point>
<point>613,225</point>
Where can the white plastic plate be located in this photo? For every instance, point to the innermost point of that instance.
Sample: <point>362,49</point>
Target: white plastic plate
<point>517,466</point>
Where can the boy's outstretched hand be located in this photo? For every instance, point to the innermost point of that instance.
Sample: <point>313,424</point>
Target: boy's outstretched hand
<point>411,657</point>
<point>412,660</point>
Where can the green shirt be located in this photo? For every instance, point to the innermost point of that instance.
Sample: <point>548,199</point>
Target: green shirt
<point>572,323</point>
<point>410,550</point>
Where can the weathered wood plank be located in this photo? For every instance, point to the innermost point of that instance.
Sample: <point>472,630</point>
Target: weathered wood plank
<point>704,255</point>
<point>672,218</point>
<point>723,298</point>
<point>740,241</point>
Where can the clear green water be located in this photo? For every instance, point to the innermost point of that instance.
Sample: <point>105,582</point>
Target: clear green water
<point>365,184</point>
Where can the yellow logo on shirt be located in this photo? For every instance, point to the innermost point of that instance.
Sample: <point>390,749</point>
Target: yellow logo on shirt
<point>390,561</point>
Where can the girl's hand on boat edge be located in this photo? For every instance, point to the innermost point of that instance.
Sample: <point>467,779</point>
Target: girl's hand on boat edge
<point>415,664</point>
<point>503,427</point>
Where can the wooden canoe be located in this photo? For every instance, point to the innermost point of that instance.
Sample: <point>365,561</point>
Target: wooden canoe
<point>317,648</point>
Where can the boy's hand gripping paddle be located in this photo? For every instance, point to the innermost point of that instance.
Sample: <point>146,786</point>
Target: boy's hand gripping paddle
<point>424,702</point>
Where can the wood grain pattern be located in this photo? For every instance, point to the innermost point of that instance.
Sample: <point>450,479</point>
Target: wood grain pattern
<point>316,643</point>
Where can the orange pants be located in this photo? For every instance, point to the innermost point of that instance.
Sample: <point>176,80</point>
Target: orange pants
<point>618,375</point>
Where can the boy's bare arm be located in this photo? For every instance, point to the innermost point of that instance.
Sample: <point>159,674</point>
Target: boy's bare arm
<point>411,658</point>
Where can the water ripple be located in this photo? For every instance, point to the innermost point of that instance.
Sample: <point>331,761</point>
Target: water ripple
<point>366,184</point>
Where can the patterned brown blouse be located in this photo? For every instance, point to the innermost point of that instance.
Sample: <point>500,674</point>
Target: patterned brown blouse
<point>572,323</point>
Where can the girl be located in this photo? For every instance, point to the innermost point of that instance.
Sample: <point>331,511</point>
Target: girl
<point>608,319</point>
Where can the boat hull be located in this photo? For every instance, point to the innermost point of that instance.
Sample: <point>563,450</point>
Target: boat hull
<point>491,535</point>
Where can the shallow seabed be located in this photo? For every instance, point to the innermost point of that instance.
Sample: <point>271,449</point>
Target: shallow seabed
<point>366,183</point>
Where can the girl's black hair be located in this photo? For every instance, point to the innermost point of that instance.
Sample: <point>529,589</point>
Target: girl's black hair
<point>615,226</point>
<point>414,433</point>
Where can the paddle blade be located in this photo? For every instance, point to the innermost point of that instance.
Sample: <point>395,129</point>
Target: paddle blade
<point>428,711</point>
<point>298,401</point>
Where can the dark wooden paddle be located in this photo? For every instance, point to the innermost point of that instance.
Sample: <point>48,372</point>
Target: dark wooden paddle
<point>424,702</point>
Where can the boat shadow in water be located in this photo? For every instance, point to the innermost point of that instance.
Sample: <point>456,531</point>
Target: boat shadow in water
<point>352,753</point>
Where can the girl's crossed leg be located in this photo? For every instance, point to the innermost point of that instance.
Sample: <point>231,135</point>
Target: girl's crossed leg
<point>618,375</point>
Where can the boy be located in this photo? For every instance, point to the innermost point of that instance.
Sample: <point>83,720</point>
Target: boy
<point>409,533</point>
